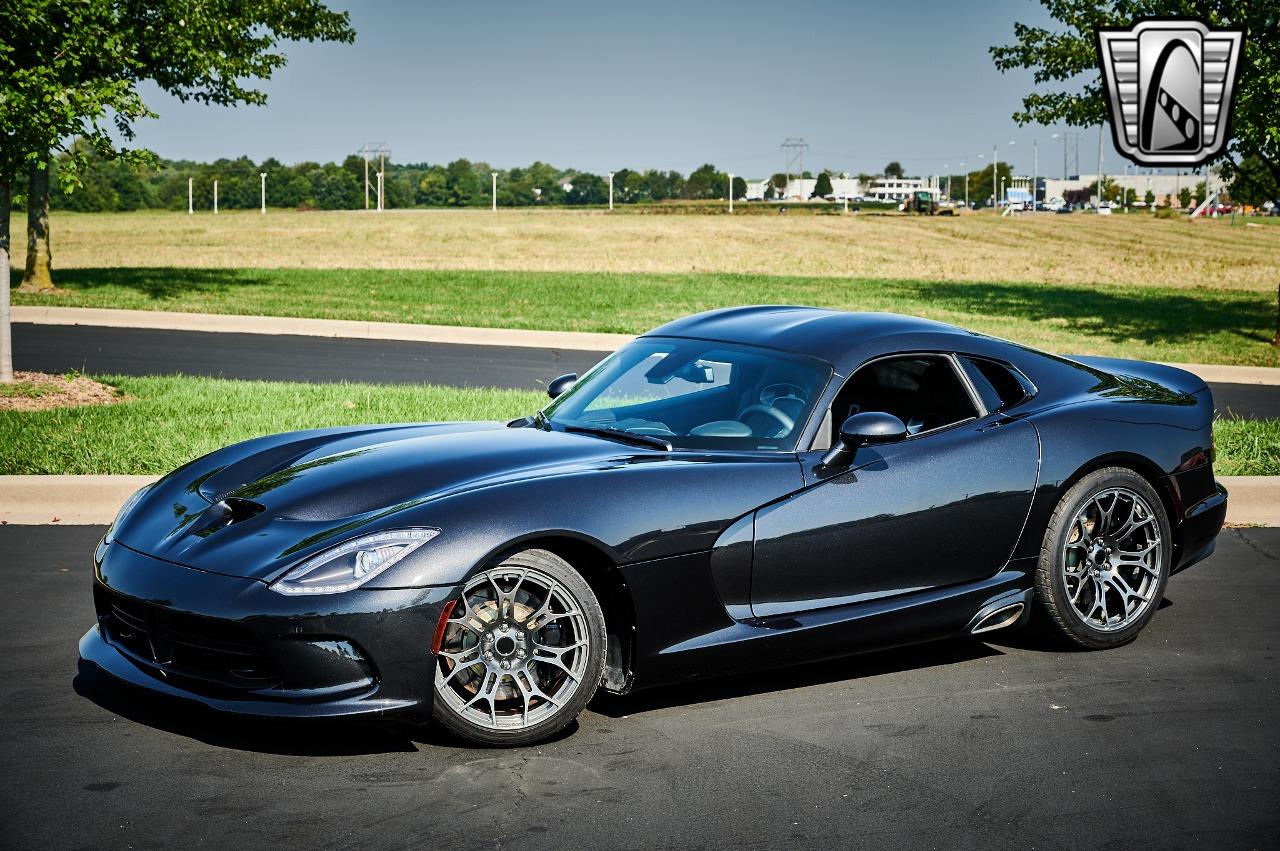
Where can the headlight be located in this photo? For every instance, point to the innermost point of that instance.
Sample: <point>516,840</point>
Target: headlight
<point>352,564</point>
<point>123,512</point>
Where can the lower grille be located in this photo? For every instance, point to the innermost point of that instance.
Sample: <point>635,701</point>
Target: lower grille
<point>185,645</point>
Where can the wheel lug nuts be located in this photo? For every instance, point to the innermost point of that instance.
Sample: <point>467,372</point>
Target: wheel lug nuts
<point>505,664</point>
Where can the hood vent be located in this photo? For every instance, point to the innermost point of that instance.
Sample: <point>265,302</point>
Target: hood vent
<point>226,512</point>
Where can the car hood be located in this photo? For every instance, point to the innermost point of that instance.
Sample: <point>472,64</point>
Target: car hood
<point>258,508</point>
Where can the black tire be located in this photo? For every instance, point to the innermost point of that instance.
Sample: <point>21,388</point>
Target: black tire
<point>1051,593</point>
<point>585,600</point>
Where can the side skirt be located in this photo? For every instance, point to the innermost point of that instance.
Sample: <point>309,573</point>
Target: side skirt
<point>671,648</point>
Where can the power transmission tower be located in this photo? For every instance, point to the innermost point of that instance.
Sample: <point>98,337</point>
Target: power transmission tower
<point>367,152</point>
<point>1070,153</point>
<point>792,153</point>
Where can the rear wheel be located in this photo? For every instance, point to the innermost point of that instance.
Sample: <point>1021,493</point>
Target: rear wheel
<point>1105,559</point>
<point>522,652</point>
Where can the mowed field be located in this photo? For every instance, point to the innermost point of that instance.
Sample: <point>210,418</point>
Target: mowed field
<point>1127,285</point>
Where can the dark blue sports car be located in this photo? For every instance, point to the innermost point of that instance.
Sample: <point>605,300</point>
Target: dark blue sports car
<point>736,490</point>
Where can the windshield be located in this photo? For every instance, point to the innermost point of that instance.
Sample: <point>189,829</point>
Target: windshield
<point>697,394</point>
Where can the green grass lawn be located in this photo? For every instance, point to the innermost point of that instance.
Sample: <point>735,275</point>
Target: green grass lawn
<point>170,420</point>
<point>1196,325</point>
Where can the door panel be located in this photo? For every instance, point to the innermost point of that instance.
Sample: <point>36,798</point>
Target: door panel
<point>942,509</point>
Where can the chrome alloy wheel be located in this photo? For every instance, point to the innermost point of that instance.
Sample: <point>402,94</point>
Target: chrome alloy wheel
<point>1112,557</point>
<point>514,650</point>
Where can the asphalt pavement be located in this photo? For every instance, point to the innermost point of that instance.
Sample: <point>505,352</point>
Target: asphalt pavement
<point>1171,741</point>
<point>136,351</point>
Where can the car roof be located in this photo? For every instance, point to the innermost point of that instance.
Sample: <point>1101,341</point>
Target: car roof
<point>840,338</point>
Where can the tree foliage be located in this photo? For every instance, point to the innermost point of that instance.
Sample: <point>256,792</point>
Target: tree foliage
<point>1068,80</point>
<point>822,186</point>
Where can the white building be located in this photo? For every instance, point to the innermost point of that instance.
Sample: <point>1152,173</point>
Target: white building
<point>1165,187</point>
<point>898,188</point>
<point>801,188</point>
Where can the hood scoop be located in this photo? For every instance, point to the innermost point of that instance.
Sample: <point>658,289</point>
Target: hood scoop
<point>224,513</point>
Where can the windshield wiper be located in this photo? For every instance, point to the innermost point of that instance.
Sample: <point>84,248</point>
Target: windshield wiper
<point>621,436</point>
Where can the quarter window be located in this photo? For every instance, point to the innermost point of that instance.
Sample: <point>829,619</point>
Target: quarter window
<point>998,386</point>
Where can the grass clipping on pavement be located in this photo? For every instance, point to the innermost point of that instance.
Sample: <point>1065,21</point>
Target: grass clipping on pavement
<point>162,422</point>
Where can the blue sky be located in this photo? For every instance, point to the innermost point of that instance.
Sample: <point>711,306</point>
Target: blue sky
<point>669,85</point>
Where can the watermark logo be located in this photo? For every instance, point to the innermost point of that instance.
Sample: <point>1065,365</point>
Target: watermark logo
<point>1170,85</point>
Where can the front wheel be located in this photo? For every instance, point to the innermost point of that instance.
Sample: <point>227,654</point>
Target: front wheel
<point>522,652</point>
<point>1105,559</point>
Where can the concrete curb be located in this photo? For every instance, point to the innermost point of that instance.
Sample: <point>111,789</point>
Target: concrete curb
<point>93,500</point>
<point>227,323</point>
<point>564,340</point>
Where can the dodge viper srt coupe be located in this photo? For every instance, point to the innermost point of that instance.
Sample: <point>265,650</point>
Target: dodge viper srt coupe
<point>735,490</point>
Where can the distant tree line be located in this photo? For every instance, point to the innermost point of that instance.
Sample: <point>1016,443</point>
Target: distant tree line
<point>115,185</point>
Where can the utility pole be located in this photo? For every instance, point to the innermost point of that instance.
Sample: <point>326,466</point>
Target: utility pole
<point>731,193</point>
<point>367,152</point>
<point>1101,127</point>
<point>995,163</point>
<point>191,207</point>
<point>792,153</point>
<point>494,175</point>
<point>610,192</point>
<point>215,197</point>
<point>263,175</point>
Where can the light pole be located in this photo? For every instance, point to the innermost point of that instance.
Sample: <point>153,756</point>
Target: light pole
<point>611,190</point>
<point>995,164</point>
<point>494,175</point>
<point>381,182</point>
<point>215,197</point>
<point>1035,172</point>
<point>731,192</point>
<point>263,175</point>
<point>191,209</point>
<point>966,185</point>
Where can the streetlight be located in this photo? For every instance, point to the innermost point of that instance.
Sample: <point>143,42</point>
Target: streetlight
<point>966,185</point>
<point>215,197</point>
<point>263,175</point>
<point>190,197</point>
<point>730,192</point>
<point>494,175</point>
<point>611,190</point>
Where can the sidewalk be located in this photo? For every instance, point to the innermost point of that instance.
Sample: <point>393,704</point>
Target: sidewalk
<point>92,500</point>
<point>562,340</point>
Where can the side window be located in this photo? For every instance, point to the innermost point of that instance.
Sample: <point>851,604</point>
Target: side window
<point>923,391</point>
<point>998,386</point>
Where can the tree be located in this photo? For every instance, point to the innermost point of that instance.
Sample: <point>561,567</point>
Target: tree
<point>1184,197</point>
<point>1149,198</point>
<point>739,188</point>
<point>587,189</point>
<point>1253,184</point>
<point>1067,56</point>
<point>60,66</point>
<point>822,187</point>
<point>894,169</point>
<point>210,52</point>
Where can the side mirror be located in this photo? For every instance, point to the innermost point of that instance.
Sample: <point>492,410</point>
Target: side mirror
<point>561,384</point>
<point>862,429</point>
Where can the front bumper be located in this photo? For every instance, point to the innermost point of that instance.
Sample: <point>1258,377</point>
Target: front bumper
<point>234,645</point>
